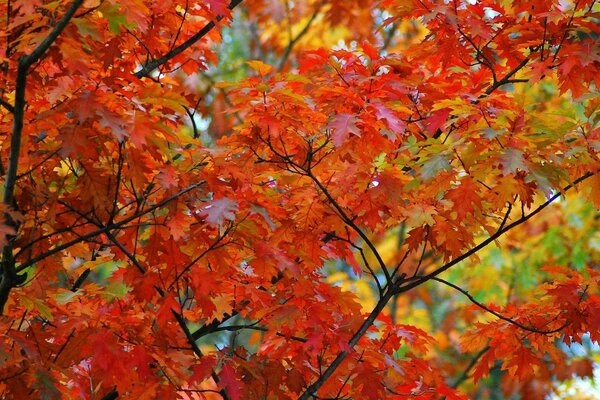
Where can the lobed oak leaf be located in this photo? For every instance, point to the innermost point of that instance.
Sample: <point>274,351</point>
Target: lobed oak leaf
<point>539,70</point>
<point>369,50</point>
<point>260,67</point>
<point>465,198</point>
<point>573,82</point>
<point>342,126</point>
<point>394,124</point>
<point>416,237</point>
<point>230,382</point>
<point>483,366</point>
<point>450,393</point>
<point>592,189</point>
<point>436,120</point>
<point>168,176</point>
<point>141,127</point>
<point>115,122</point>
<point>521,364</point>
<point>436,163</point>
<point>419,215</point>
<point>512,161</point>
<point>217,211</point>
<point>202,370</point>
<point>370,387</point>
<point>178,225</point>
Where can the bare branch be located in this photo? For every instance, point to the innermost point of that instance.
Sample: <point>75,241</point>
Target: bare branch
<point>349,221</point>
<point>465,374</point>
<point>195,348</point>
<point>233,328</point>
<point>215,245</point>
<point>9,107</point>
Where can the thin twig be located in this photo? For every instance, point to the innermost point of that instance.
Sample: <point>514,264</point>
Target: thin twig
<point>465,374</point>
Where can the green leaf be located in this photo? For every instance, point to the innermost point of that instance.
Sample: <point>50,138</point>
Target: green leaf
<point>438,162</point>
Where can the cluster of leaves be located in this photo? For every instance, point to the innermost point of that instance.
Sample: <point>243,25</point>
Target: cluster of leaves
<point>138,262</point>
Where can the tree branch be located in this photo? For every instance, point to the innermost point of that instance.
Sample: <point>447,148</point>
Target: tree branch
<point>9,107</point>
<point>195,348</point>
<point>234,328</point>
<point>112,395</point>
<point>288,49</point>
<point>213,246</point>
<point>506,78</point>
<point>419,280</point>
<point>9,277</point>
<point>395,288</point>
<point>350,223</point>
<point>497,314</point>
<point>311,391</point>
<point>105,229</point>
<point>37,53</point>
<point>465,374</point>
<point>150,66</point>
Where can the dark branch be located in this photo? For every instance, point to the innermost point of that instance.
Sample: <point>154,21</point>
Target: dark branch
<point>419,280</point>
<point>395,288</point>
<point>153,64</point>
<point>105,229</point>
<point>195,348</point>
<point>234,328</point>
<point>9,107</point>
<point>9,277</point>
<point>112,395</point>
<point>465,374</point>
<point>496,314</point>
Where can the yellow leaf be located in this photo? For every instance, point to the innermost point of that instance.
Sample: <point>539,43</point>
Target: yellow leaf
<point>38,305</point>
<point>260,67</point>
<point>592,193</point>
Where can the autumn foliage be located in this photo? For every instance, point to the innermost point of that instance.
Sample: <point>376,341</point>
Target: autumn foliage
<point>317,199</point>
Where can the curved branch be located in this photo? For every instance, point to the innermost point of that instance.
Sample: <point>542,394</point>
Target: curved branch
<point>364,258</point>
<point>325,375</point>
<point>9,107</point>
<point>350,222</point>
<point>465,374</point>
<point>234,328</point>
<point>497,314</point>
<point>195,348</point>
<point>306,170</point>
<point>37,53</point>
<point>421,279</point>
<point>215,245</point>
